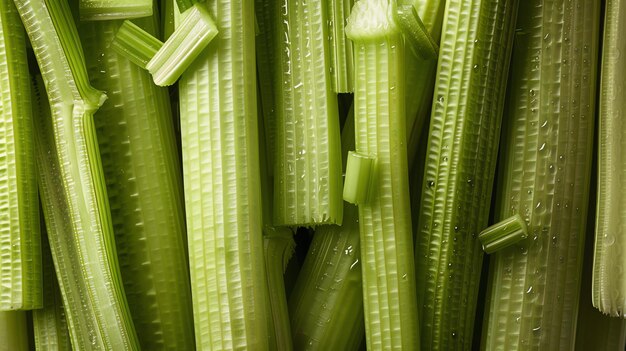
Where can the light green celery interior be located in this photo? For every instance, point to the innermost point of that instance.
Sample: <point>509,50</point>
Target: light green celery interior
<point>101,10</point>
<point>546,162</point>
<point>20,249</point>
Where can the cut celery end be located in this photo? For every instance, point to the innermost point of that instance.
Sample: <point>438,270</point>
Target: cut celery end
<point>104,10</point>
<point>358,178</point>
<point>503,234</point>
<point>186,43</point>
<point>20,258</point>
<point>414,30</point>
<point>135,44</point>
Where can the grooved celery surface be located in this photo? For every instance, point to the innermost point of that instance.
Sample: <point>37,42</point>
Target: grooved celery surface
<point>222,185</point>
<point>142,171</point>
<point>342,67</point>
<point>609,276</point>
<point>91,10</point>
<point>73,191</point>
<point>307,159</point>
<point>460,163</point>
<point>20,256</point>
<point>548,139</point>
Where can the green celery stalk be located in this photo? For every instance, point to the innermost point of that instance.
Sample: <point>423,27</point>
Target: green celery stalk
<point>72,186</point>
<point>222,185</point>
<point>609,276</point>
<point>135,44</point>
<point>144,184</point>
<point>13,331</point>
<point>342,56</point>
<point>460,165</point>
<point>534,287</point>
<point>384,220</point>
<point>101,10</point>
<point>307,158</point>
<point>20,258</point>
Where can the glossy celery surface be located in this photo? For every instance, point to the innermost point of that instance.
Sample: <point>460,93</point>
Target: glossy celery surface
<point>307,155</point>
<point>546,163</point>
<point>609,272</point>
<point>142,169</point>
<point>384,220</point>
<point>13,331</point>
<point>222,185</point>
<point>460,164</point>
<point>20,249</point>
<point>101,10</point>
<point>72,185</point>
<point>342,56</point>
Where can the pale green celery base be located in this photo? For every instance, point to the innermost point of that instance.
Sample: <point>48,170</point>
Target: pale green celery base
<point>136,142</point>
<point>105,10</point>
<point>326,305</point>
<point>13,331</point>
<point>307,158</point>
<point>222,186</point>
<point>20,249</point>
<point>546,163</point>
<point>609,277</point>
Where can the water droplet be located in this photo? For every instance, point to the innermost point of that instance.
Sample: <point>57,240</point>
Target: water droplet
<point>530,289</point>
<point>440,99</point>
<point>542,147</point>
<point>532,92</point>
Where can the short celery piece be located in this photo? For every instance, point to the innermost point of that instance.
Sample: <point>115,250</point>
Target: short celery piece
<point>326,305</point>
<point>342,55</point>
<point>415,31</point>
<point>49,322</point>
<point>142,169</point>
<point>104,10</point>
<point>135,44</point>
<point>546,163</point>
<point>20,250</point>
<point>72,186</point>
<point>186,43</point>
<point>218,114</point>
<point>384,220</point>
<point>358,177</point>
<point>307,155</point>
<point>460,166</point>
<point>13,331</point>
<point>503,234</point>
<point>609,275</point>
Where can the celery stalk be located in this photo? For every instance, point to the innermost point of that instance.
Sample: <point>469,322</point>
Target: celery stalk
<point>342,56</point>
<point>143,176</point>
<point>546,162</point>
<point>73,190</point>
<point>101,10</point>
<point>13,331</point>
<point>20,249</point>
<point>222,185</point>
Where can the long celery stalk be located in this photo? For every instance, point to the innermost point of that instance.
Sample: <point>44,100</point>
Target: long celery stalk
<point>101,10</point>
<point>546,162</point>
<point>20,249</point>
<point>13,331</point>
<point>609,272</point>
<point>222,185</point>
<point>142,170</point>
<point>342,56</point>
<point>460,165</point>
<point>73,190</point>
<point>384,220</point>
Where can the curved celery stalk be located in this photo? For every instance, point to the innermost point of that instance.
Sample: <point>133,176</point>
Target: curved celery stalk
<point>222,185</point>
<point>460,165</point>
<point>609,275</point>
<point>49,322</point>
<point>384,220</point>
<point>326,306</point>
<point>74,196</point>
<point>342,56</point>
<point>534,287</point>
<point>20,249</point>
<point>101,10</point>
<point>307,158</point>
<point>142,169</point>
<point>13,331</point>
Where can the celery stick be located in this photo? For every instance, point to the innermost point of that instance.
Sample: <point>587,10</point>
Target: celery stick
<point>222,185</point>
<point>609,275</point>
<point>143,176</point>
<point>546,162</point>
<point>101,10</point>
<point>49,323</point>
<point>167,18</point>
<point>307,159</point>
<point>358,178</point>
<point>13,331</point>
<point>384,220</point>
<point>20,249</point>
<point>460,165</point>
<point>341,64</point>
<point>503,234</point>
<point>135,44</point>
<point>75,204</point>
